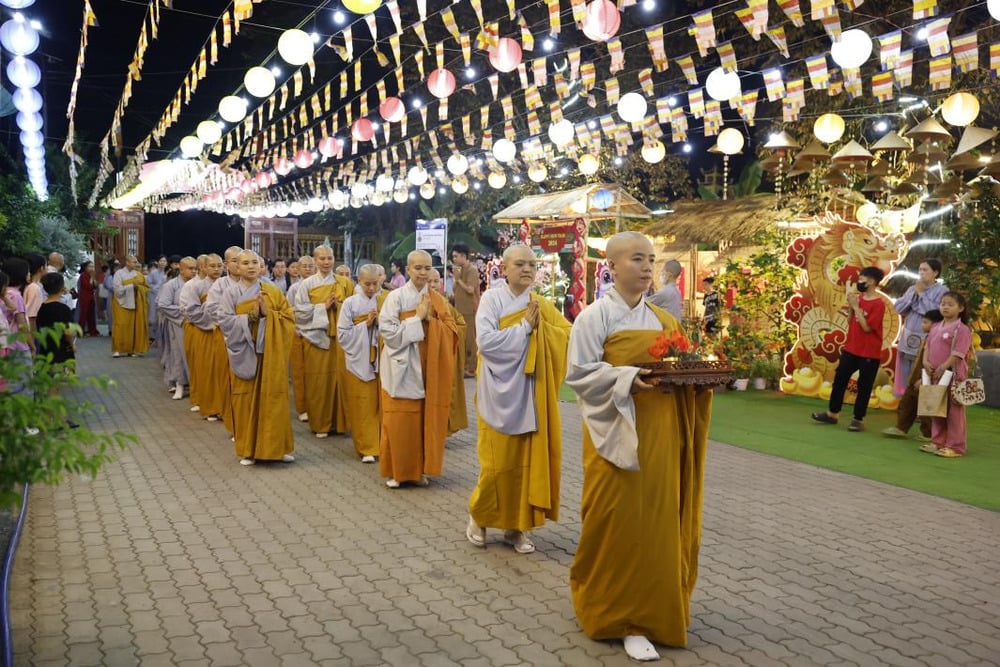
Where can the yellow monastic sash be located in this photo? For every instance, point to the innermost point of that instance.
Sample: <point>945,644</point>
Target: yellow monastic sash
<point>458,416</point>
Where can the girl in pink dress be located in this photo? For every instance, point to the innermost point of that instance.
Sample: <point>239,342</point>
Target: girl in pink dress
<point>948,344</point>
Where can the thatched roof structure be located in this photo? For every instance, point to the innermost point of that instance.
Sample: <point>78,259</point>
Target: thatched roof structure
<point>568,205</point>
<point>712,220</point>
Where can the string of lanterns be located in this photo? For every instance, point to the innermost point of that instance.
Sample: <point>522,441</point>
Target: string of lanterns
<point>19,37</point>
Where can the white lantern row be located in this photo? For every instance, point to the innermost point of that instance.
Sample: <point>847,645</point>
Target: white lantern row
<point>20,38</point>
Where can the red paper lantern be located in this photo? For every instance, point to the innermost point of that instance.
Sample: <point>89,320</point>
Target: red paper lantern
<point>441,83</point>
<point>602,20</point>
<point>506,56</point>
<point>362,130</point>
<point>303,158</point>
<point>263,179</point>
<point>392,109</point>
<point>329,146</point>
<point>282,166</point>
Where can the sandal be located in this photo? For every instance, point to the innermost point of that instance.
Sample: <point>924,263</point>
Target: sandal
<point>824,417</point>
<point>948,453</point>
<point>930,448</point>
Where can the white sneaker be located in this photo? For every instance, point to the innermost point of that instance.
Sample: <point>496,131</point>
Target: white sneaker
<point>303,416</point>
<point>322,435</point>
<point>475,533</point>
<point>116,355</point>
<point>640,648</point>
<point>368,459</point>
<point>195,408</point>
<point>212,418</point>
<point>519,540</point>
<point>287,458</point>
<point>179,392</point>
<point>247,462</point>
<point>170,388</point>
<point>391,483</point>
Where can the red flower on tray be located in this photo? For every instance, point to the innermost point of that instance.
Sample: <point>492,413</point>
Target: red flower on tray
<point>674,345</point>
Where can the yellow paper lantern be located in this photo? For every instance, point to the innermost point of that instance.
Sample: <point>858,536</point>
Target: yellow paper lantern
<point>191,146</point>
<point>427,190</point>
<point>730,141</point>
<point>654,152</point>
<point>829,128</point>
<point>588,164</point>
<point>232,109</point>
<point>497,179</point>
<point>460,185</point>
<point>960,109</point>
<point>458,164</point>
<point>538,173</point>
<point>362,6</point>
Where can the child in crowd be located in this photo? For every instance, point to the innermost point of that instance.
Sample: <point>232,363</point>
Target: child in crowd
<point>61,347</point>
<point>946,349</point>
<point>906,413</point>
<point>862,351</point>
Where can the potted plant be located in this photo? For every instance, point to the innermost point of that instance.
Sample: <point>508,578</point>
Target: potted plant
<point>758,371</point>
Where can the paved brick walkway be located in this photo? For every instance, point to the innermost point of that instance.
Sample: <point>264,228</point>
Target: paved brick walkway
<point>176,555</point>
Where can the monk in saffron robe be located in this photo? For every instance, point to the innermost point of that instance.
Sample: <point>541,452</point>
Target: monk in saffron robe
<point>175,368</point>
<point>258,325</point>
<point>316,302</point>
<point>643,458</point>
<point>220,359</point>
<point>130,309</point>
<point>357,333</point>
<point>304,268</point>
<point>522,360</point>
<point>198,332</point>
<point>418,360</point>
<point>458,416</point>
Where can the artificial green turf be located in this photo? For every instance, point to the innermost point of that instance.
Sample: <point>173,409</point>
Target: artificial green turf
<point>777,424</point>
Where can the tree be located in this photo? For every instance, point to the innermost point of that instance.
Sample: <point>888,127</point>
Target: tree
<point>971,258</point>
<point>54,234</point>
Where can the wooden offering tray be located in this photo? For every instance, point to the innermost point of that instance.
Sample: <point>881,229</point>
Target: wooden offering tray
<point>690,371</point>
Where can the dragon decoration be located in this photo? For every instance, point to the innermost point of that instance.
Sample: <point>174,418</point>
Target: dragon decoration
<point>829,261</point>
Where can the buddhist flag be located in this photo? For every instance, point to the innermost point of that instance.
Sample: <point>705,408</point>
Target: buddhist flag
<point>792,11</point>
<point>573,57</point>
<point>703,31</point>
<point>822,9</point>
<point>852,82</point>
<point>646,81</point>
<point>746,18</point>
<point>617,55</point>
<point>656,48</point>
<point>748,106</point>
<point>831,24</point>
<point>588,76</point>
<point>422,35</point>
<point>448,18</point>
<point>903,70</point>
<point>540,74</point>
<point>696,102</point>
<point>612,91</point>
<point>774,84</point>
<point>889,45</point>
<point>819,75</point>
<point>554,25</point>
<point>663,110</point>
<point>687,66</point>
<point>937,36</point>
<point>995,59</point>
<point>940,72</point>
<point>965,48</point>
<point>727,56</point>
<point>678,125</point>
<point>777,37</point>
<point>924,9</point>
<point>393,6</point>
<point>882,86</point>
<point>713,118</point>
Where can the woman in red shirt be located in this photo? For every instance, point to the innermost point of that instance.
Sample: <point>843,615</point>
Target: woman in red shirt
<point>862,352</point>
<point>87,300</point>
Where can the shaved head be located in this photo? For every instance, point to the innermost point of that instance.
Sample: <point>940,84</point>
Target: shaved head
<point>368,271</point>
<point>517,250</point>
<point>435,274</point>
<point>232,251</point>
<point>213,258</point>
<point>322,250</point>
<point>418,256</point>
<point>623,242</point>
<point>188,261</point>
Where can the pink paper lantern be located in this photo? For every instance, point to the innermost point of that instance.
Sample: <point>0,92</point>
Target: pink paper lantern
<point>602,20</point>
<point>234,194</point>
<point>282,166</point>
<point>328,146</point>
<point>362,130</point>
<point>441,83</point>
<point>392,110</point>
<point>247,186</point>
<point>263,179</point>
<point>303,158</point>
<point>506,56</point>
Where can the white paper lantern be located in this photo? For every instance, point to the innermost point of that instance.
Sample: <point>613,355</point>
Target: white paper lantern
<point>730,141</point>
<point>829,128</point>
<point>384,183</point>
<point>458,164</point>
<point>232,109</point>
<point>17,4</point>
<point>960,109</point>
<point>376,199</point>
<point>427,190</point>
<point>497,179</point>
<point>34,151</point>
<point>504,150</point>
<point>401,195</point>
<point>18,37</point>
<point>588,164</point>
<point>209,132</point>
<point>315,204</point>
<point>993,7</point>
<point>417,175</point>
<point>295,47</point>
<point>30,139</point>
<point>259,81</point>
<point>853,50</point>
<point>632,107</point>
<point>297,208</point>
<point>27,100</point>
<point>191,146</point>
<point>359,190</point>
<point>23,72</point>
<point>35,164</point>
<point>654,152</point>
<point>561,133</point>
<point>722,85</point>
<point>538,173</point>
<point>460,185</point>
<point>31,122</point>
